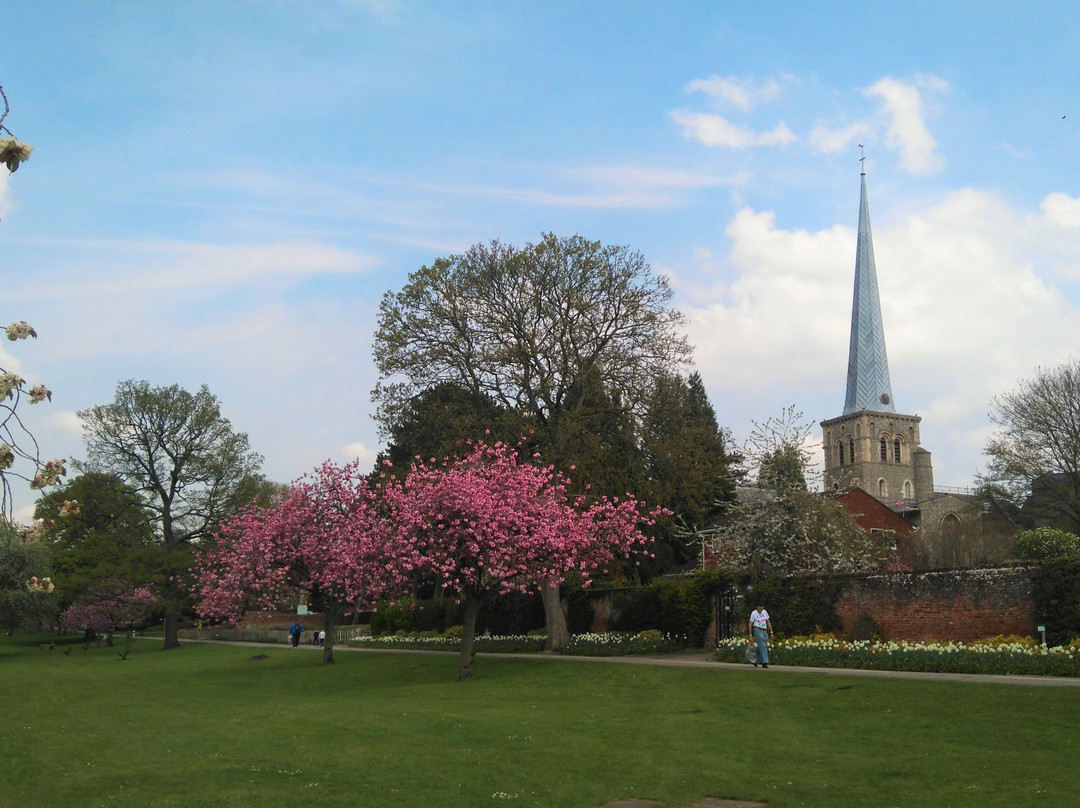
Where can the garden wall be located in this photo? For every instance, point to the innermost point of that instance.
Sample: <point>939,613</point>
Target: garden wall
<point>962,604</point>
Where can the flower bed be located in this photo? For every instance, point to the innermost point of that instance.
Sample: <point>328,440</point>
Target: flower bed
<point>1000,655</point>
<point>451,641</point>
<point>613,643</point>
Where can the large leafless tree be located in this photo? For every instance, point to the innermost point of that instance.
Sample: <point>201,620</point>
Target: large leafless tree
<point>527,326</point>
<point>1035,454</point>
<point>182,457</point>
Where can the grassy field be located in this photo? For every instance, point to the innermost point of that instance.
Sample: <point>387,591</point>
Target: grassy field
<point>208,725</point>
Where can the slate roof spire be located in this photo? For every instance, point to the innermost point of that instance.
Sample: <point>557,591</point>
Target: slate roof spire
<point>868,385</point>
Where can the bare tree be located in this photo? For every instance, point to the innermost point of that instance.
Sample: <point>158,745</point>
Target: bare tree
<point>529,327</point>
<point>1035,454</point>
<point>184,460</point>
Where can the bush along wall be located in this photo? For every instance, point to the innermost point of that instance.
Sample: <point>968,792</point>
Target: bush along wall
<point>513,613</point>
<point>1055,588</point>
<point>796,606</point>
<point>680,608</point>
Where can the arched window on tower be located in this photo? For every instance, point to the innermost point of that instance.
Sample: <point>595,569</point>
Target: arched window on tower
<point>882,489</point>
<point>841,448</point>
<point>896,450</point>
<point>908,491</point>
<point>884,450</point>
<point>851,446</point>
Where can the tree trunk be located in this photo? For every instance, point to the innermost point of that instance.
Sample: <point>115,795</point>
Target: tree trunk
<point>554,618</point>
<point>468,638</point>
<point>328,644</point>
<point>172,637</point>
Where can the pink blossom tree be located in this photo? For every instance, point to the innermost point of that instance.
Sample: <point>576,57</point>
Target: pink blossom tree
<point>322,538</point>
<point>107,611</point>
<point>491,523</point>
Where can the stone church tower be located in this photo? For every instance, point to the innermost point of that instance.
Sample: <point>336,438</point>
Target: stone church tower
<point>871,446</point>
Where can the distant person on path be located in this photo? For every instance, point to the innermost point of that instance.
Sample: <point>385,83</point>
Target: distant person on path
<point>322,638</point>
<point>760,632</point>
<point>295,630</point>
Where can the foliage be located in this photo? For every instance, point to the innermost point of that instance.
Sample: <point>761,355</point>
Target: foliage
<point>785,529</point>
<point>525,325</point>
<point>680,608</point>
<point>798,605</point>
<point>689,462</point>
<point>393,616</point>
<point>324,538</point>
<point>1035,456</point>
<point>27,596</point>
<point>489,523</point>
<point>16,441</point>
<point>106,611</point>
<point>99,535</point>
<point>801,533</point>
<point>778,453</point>
<point>184,461</point>
<point>1056,592</point>
<point>506,614</point>
<point>1046,542</point>
<point>440,422</point>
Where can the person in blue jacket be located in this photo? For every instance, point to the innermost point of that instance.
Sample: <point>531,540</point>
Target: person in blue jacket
<point>295,630</point>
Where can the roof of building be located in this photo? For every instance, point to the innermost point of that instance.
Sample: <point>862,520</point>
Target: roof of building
<point>870,514</point>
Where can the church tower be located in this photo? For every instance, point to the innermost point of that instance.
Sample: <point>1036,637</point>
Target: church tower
<point>871,446</point>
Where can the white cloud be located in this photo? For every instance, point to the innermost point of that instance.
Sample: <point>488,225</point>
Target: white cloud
<point>907,132</point>
<point>716,130</point>
<point>1061,210</point>
<point>68,422</point>
<point>833,141</point>
<point>743,93</point>
<point>4,199</point>
<point>360,451</point>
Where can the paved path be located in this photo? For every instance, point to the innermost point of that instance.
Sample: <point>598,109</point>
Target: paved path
<point>703,659</point>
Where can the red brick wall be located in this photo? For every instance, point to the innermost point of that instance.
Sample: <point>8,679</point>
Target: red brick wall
<point>959,605</point>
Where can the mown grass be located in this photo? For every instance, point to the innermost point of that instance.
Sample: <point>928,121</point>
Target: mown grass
<point>207,725</point>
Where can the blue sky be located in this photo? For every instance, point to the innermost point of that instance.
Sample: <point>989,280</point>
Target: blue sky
<point>221,192</point>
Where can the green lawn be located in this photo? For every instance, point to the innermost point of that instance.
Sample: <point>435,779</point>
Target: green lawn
<point>207,725</point>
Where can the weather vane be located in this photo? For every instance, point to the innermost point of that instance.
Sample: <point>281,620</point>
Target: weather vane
<point>862,160</point>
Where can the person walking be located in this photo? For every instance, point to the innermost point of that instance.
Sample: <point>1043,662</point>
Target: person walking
<point>295,630</point>
<point>760,632</point>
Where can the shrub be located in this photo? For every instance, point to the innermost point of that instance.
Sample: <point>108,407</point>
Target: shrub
<point>866,628</point>
<point>1046,542</point>
<point>394,617</point>
<point>511,613</point>
<point>637,610</point>
<point>1056,592</point>
<point>579,611</point>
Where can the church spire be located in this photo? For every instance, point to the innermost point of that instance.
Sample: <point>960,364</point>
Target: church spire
<point>868,386</point>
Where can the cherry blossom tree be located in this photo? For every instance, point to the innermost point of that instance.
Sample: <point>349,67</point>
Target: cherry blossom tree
<point>492,523</point>
<point>16,441</point>
<point>107,611</point>
<point>322,537</point>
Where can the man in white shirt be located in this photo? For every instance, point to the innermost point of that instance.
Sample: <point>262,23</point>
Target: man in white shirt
<point>760,632</point>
